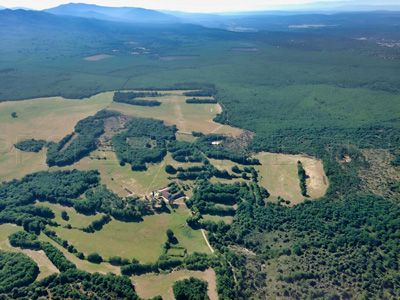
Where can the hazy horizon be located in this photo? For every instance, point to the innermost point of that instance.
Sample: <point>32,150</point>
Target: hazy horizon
<point>208,6</point>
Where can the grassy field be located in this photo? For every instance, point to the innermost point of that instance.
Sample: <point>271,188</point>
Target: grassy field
<point>124,181</point>
<point>49,119</point>
<point>175,111</point>
<point>278,174</point>
<point>142,241</point>
<point>102,268</point>
<point>151,285</point>
<point>75,219</point>
<point>46,267</point>
<point>226,219</point>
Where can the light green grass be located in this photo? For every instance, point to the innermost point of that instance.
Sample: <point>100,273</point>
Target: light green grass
<point>75,219</point>
<point>143,240</point>
<point>278,174</point>
<point>103,268</point>
<point>225,219</point>
<point>49,119</point>
<point>151,285</point>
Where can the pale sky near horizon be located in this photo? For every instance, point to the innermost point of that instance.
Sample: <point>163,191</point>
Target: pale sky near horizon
<point>181,5</point>
<point>190,5</point>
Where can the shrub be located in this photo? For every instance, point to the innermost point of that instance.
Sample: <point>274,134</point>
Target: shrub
<point>95,258</point>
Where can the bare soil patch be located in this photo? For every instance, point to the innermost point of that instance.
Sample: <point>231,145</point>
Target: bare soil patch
<point>97,57</point>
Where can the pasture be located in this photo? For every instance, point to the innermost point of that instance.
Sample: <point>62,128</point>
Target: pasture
<point>216,219</point>
<point>121,179</point>
<point>102,268</point>
<point>278,174</point>
<point>143,240</point>
<point>75,219</point>
<point>49,119</point>
<point>151,285</point>
<point>175,111</point>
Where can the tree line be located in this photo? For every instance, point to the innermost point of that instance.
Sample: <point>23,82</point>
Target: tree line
<point>73,147</point>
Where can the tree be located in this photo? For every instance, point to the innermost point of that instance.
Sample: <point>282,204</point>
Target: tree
<point>190,289</point>
<point>95,258</point>
<point>14,115</point>
<point>64,215</point>
<point>170,169</point>
<point>171,237</point>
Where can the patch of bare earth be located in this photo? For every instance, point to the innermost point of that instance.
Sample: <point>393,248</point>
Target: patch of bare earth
<point>97,57</point>
<point>112,126</point>
<point>380,174</point>
<point>46,267</point>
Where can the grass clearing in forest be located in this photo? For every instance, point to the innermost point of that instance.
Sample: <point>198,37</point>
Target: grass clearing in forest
<point>46,267</point>
<point>84,265</point>
<point>175,111</point>
<point>143,240</point>
<point>75,219</point>
<point>49,119</point>
<point>151,285</point>
<point>216,219</point>
<point>278,174</point>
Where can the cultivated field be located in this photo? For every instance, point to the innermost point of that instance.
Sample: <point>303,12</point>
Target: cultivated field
<point>151,285</point>
<point>143,240</point>
<point>278,174</point>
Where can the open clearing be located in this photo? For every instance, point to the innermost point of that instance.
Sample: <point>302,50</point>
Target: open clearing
<point>49,119</point>
<point>216,219</point>
<point>124,181</point>
<point>143,240</point>
<point>175,111</point>
<point>46,267</point>
<point>278,174</point>
<point>151,285</point>
<point>97,57</point>
<point>102,268</point>
<point>75,219</point>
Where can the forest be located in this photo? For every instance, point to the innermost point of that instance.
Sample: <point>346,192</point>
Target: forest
<point>131,98</point>
<point>143,141</point>
<point>200,101</point>
<point>18,196</point>
<point>31,145</point>
<point>81,142</point>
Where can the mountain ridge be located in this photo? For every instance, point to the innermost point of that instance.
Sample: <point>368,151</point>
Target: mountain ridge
<point>121,14</point>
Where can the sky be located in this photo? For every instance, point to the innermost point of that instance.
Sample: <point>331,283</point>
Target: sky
<point>189,5</point>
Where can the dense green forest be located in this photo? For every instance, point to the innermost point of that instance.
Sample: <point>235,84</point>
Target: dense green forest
<point>18,196</point>
<point>190,289</point>
<point>81,142</point>
<point>143,141</point>
<point>200,101</point>
<point>31,145</point>
<point>64,286</point>
<point>131,98</point>
<point>16,270</point>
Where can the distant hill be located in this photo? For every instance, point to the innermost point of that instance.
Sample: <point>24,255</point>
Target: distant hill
<point>120,14</point>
